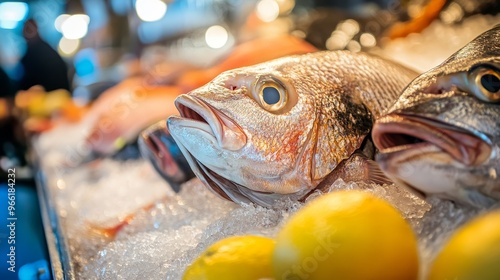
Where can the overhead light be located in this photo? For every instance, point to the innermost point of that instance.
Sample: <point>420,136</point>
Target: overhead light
<point>349,26</point>
<point>11,13</point>
<point>68,47</point>
<point>216,36</point>
<point>75,27</point>
<point>338,40</point>
<point>368,40</point>
<point>60,20</point>
<point>150,10</point>
<point>268,10</point>
<point>353,46</point>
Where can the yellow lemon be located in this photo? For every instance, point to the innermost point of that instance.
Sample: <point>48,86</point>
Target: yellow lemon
<point>472,253</point>
<point>346,235</point>
<point>238,257</point>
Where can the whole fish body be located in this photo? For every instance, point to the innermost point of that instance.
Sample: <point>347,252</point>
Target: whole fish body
<point>442,136</point>
<point>278,129</point>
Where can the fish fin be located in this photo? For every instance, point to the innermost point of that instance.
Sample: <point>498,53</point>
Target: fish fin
<point>222,186</point>
<point>357,168</point>
<point>238,193</point>
<point>474,198</point>
<point>374,174</point>
<point>263,199</point>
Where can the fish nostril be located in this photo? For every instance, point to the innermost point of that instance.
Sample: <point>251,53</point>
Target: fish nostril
<point>434,89</point>
<point>232,86</point>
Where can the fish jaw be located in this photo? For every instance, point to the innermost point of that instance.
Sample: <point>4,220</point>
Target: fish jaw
<point>396,133</point>
<point>429,171</point>
<point>436,158</point>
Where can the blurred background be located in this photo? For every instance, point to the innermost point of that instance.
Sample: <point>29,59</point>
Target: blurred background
<point>57,57</point>
<point>97,37</point>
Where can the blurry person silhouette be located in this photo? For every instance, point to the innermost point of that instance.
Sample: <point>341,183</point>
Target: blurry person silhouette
<point>42,65</point>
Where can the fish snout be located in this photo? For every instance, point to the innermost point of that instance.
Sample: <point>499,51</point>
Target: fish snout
<point>199,114</point>
<point>158,147</point>
<point>403,134</point>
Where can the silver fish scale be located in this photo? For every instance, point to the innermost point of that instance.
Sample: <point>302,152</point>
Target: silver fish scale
<point>377,82</point>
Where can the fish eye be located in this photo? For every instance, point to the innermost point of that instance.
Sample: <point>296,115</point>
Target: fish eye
<point>486,84</point>
<point>272,95</point>
<point>490,82</point>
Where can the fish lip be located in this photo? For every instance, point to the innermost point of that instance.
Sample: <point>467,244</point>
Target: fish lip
<point>389,134</point>
<point>201,114</point>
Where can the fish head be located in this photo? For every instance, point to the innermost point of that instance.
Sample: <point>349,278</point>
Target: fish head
<point>442,136</point>
<point>272,130</point>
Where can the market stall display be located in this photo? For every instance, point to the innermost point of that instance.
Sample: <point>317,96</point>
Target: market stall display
<point>110,218</point>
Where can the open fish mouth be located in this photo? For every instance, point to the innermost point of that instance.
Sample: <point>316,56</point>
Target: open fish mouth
<point>205,117</point>
<point>401,134</point>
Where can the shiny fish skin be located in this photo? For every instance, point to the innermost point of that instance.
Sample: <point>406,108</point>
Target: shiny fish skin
<point>246,153</point>
<point>458,129</point>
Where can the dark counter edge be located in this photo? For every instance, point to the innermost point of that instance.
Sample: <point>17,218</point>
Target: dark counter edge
<point>60,260</point>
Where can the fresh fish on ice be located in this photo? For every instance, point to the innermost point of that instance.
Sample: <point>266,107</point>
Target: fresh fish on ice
<point>278,129</point>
